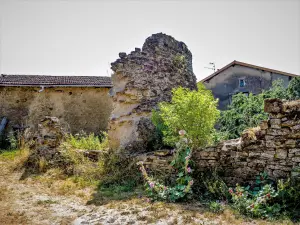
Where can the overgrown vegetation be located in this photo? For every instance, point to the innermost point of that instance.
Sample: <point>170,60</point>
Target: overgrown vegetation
<point>248,111</point>
<point>88,141</point>
<point>193,111</point>
<point>193,115</point>
<point>181,187</point>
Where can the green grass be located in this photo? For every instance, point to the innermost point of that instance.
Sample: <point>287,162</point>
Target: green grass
<point>90,142</point>
<point>9,154</point>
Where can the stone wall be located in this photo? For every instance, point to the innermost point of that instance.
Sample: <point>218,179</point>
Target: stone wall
<point>273,147</point>
<point>85,109</point>
<point>141,79</point>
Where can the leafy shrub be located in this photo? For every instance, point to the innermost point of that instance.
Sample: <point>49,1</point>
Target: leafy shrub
<point>216,207</point>
<point>293,90</point>
<point>258,205</point>
<point>193,111</point>
<point>88,142</point>
<point>214,187</point>
<point>248,111</point>
<point>289,197</point>
<point>182,187</point>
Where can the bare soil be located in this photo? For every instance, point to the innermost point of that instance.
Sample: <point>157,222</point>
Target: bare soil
<point>28,202</point>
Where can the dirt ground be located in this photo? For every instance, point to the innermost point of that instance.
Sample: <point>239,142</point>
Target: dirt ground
<point>27,202</point>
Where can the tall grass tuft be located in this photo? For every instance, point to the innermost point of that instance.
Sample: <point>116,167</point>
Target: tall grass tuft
<point>88,142</point>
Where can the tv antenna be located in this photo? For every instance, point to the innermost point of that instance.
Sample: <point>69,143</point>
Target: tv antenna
<point>213,66</point>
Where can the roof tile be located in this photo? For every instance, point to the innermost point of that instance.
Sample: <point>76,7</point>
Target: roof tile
<point>45,80</point>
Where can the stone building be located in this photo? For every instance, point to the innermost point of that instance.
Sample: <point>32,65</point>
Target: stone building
<point>242,77</point>
<point>81,102</point>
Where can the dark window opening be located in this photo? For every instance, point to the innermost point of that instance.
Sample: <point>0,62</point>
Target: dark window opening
<point>242,83</point>
<point>246,93</point>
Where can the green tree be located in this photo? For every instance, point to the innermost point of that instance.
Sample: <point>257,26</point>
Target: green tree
<point>193,111</point>
<point>293,89</point>
<point>248,111</point>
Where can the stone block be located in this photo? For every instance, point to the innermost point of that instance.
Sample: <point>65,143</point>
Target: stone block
<point>273,105</point>
<point>278,132</point>
<point>288,123</point>
<point>290,143</point>
<point>281,154</point>
<point>279,174</point>
<point>264,125</point>
<point>296,159</point>
<point>268,155</point>
<point>275,126</point>
<point>275,121</point>
<point>270,144</point>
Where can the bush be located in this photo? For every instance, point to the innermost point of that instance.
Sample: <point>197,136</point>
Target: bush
<point>181,188</point>
<point>88,142</point>
<point>216,207</point>
<point>248,111</point>
<point>259,205</point>
<point>293,90</point>
<point>193,111</point>
<point>214,188</point>
<point>289,196</point>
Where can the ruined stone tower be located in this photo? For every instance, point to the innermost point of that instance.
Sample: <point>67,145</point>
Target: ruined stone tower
<point>141,79</point>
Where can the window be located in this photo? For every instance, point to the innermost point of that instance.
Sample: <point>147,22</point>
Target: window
<point>242,83</point>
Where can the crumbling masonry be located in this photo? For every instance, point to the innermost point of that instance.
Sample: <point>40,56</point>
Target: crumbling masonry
<point>141,80</point>
<point>273,147</point>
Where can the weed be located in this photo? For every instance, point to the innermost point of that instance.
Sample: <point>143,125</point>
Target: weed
<point>16,158</point>
<point>42,164</point>
<point>88,142</point>
<point>216,207</point>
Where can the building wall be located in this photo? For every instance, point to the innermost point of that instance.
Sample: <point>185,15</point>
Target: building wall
<point>85,109</point>
<point>226,83</point>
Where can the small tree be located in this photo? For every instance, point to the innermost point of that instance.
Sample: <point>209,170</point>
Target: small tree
<point>245,112</point>
<point>193,111</point>
<point>293,90</point>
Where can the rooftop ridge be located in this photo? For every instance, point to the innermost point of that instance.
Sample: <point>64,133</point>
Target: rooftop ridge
<point>54,80</point>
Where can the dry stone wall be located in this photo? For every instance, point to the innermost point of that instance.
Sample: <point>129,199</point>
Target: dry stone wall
<point>273,147</point>
<point>47,140</point>
<point>141,79</point>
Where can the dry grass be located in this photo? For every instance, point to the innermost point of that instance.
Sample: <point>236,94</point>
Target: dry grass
<point>60,184</point>
<point>251,133</point>
<point>8,215</point>
<point>14,159</point>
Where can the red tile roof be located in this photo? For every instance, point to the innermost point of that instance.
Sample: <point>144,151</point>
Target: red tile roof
<point>246,65</point>
<point>45,80</point>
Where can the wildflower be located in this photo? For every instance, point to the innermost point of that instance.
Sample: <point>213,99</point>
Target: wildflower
<point>187,157</point>
<point>189,169</point>
<point>147,200</point>
<point>165,188</point>
<point>151,184</point>
<point>230,190</point>
<point>182,132</point>
<point>191,182</point>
